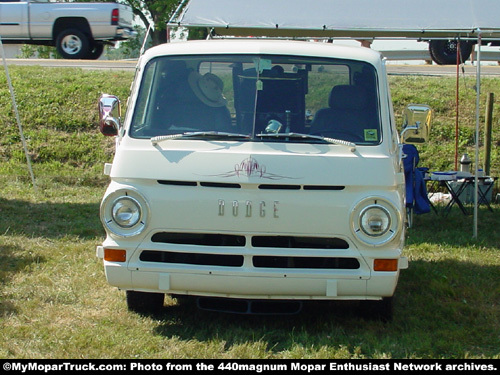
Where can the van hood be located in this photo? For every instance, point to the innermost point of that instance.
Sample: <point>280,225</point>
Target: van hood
<point>252,163</point>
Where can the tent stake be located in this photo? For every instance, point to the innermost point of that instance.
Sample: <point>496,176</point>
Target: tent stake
<point>14,105</point>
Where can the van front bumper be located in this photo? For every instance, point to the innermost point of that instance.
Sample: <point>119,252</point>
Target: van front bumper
<point>252,283</point>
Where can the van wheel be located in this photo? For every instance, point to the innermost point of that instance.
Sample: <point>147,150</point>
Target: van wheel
<point>73,44</point>
<point>444,52</point>
<point>378,310</point>
<point>142,302</point>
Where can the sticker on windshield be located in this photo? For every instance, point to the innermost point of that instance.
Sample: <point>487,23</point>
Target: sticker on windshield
<point>371,135</point>
<point>262,64</point>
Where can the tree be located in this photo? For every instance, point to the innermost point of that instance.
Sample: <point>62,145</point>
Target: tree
<point>154,13</point>
<point>130,48</point>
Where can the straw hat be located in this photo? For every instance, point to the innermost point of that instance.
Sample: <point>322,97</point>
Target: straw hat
<point>208,88</point>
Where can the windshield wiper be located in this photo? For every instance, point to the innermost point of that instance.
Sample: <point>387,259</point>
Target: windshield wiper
<point>209,134</point>
<point>309,136</point>
<point>215,134</point>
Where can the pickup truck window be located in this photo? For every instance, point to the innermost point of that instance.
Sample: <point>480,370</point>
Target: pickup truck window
<point>258,97</point>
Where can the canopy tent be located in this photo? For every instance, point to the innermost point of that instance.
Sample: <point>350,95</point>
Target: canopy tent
<point>403,19</point>
<point>340,18</point>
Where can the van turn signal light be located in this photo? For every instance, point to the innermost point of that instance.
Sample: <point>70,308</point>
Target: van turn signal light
<point>387,265</point>
<point>115,255</point>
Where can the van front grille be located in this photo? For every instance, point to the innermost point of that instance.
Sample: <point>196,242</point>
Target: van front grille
<point>191,258</point>
<point>297,242</point>
<point>333,263</point>
<point>199,239</point>
<point>258,261</point>
<point>229,260</point>
<point>231,240</point>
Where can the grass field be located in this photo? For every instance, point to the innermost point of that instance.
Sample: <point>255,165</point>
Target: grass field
<point>55,302</point>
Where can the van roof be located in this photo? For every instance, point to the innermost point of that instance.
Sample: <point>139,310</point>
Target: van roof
<point>266,46</point>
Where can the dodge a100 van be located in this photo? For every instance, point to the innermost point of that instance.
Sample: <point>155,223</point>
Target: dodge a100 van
<point>255,173</point>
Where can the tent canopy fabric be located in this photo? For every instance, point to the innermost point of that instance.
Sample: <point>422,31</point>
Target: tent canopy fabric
<point>341,18</point>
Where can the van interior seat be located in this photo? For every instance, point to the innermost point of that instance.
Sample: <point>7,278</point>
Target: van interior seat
<point>346,116</point>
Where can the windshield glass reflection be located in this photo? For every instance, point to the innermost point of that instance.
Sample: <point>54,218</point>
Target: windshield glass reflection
<point>244,97</point>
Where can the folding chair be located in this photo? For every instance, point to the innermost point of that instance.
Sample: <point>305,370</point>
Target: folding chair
<point>417,200</point>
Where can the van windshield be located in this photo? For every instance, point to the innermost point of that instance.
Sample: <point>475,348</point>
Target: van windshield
<point>258,98</point>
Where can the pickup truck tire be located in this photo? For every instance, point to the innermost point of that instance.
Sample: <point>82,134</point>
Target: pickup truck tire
<point>96,51</point>
<point>73,44</point>
<point>444,52</point>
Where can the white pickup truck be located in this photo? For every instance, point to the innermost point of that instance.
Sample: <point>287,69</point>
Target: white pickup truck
<point>254,175</point>
<point>78,30</point>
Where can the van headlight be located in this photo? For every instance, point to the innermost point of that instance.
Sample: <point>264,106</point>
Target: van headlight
<point>124,213</point>
<point>375,221</point>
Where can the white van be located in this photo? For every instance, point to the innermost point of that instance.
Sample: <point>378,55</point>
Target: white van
<point>255,173</point>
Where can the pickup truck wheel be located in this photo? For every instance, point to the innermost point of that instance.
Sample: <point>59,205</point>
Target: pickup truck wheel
<point>145,303</point>
<point>444,52</point>
<point>96,51</point>
<point>73,44</point>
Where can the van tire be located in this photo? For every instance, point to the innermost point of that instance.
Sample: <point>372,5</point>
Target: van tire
<point>143,302</point>
<point>73,44</point>
<point>444,52</point>
<point>378,310</point>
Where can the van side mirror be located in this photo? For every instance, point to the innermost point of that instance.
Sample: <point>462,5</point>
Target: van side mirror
<point>416,123</point>
<point>109,114</point>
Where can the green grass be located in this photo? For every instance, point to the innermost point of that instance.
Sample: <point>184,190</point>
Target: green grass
<point>55,302</point>
<point>440,93</point>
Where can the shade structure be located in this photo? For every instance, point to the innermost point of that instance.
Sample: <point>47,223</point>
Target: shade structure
<point>340,18</point>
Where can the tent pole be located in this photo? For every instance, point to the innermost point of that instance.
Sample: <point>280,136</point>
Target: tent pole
<point>14,105</point>
<point>456,104</point>
<point>478,94</point>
